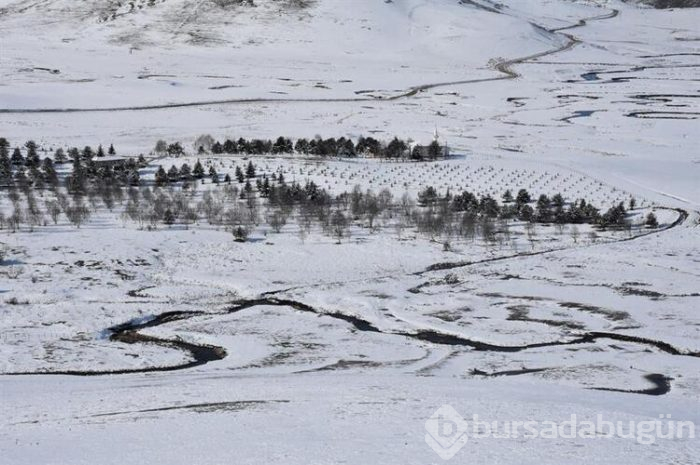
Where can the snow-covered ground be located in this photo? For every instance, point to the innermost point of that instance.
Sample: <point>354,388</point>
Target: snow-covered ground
<point>339,353</point>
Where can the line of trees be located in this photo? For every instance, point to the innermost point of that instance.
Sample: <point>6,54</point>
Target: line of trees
<point>522,207</point>
<point>331,147</point>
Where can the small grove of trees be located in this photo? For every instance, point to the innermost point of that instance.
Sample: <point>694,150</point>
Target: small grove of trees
<point>25,169</point>
<point>187,174</point>
<point>163,148</point>
<point>545,210</point>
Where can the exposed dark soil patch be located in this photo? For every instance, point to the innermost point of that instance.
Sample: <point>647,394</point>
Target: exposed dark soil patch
<point>522,371</point>
<point>662,385</point>
<point>522,312</point>
<point>685,115</point>
<point>580,114</point>
<point>198,408</point>
<point>612,315</point>
<point>138,293</point>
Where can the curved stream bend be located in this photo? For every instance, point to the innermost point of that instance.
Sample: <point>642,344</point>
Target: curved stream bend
<point>201,354</point>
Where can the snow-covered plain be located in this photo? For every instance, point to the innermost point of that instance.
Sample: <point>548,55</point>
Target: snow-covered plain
<point>372,341</point>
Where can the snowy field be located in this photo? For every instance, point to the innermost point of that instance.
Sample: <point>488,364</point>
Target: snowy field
<point>122,341</point>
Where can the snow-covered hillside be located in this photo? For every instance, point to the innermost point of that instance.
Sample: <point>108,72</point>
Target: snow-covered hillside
<point>80,56</point>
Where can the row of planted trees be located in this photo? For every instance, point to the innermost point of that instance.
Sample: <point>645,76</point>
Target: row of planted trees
<point>523,207</point>
<point>186,174</point>
<point>322,147</point>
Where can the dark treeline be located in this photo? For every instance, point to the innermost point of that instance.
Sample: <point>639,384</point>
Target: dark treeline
<point>524,208</point>
<point>28,170</point>
<point>332,147</point>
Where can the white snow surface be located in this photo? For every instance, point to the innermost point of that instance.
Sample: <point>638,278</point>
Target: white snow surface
<point>298,387</point>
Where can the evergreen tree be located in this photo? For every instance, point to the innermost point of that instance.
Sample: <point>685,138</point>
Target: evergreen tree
<point>558,201</point>
<point>134,179</point>
<point>250,170</point>
<point>76,181</point>
<point>348,149</point>
<point>5,165</point>
<point>243,146</point>
<point>185,172</point>
<point>239,175</point>
<point>507,197</point>
<point>32,155</point>
<point>111,150</point>
<point>74,155</point>
<point>50,175</point>
<point>526,213</point>
<point>21,178</point>
<point>59,156</point>
<point>17,158</point>
<point>489,207</point>
<point>227,178</point>
<point>282,145</point>
<point>198,170</point>
<point>173,174</point>
<point>397,148</point>
<point>161,177</point>
<point>434,150</point>
<point>175,149</point>
<point>523,197</point>
<point>543,208</point>
<point>100,151</point>
<point>88,154</point>
<point>240,234</point>
<point>427,196</point>
<point>651,221</point>
<point>302,146</point>
<point>230,147</point>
